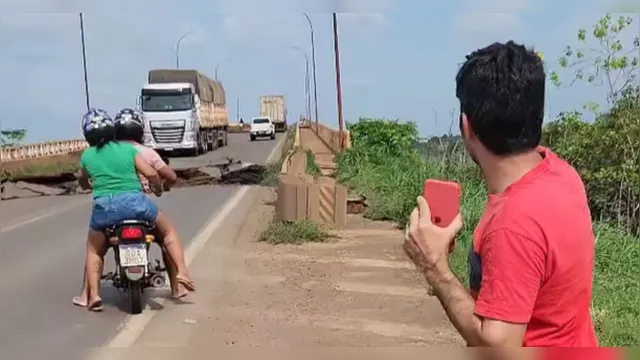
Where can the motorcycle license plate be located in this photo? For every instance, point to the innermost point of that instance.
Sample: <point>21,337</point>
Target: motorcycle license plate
<point>133,255</point>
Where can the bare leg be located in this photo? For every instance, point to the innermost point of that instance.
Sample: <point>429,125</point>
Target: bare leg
<point>83,299</point>
<point>95,245</point>
<point>174,249</point>
<point>177,290</point>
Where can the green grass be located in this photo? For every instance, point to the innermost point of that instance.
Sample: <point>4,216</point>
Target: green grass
<point>39,169</point>
<point>391,183</point>
<point>312,166</point>
<point>296,233</point>
<point>272,170</point>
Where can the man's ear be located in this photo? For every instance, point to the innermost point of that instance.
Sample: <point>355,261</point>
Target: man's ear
<point>465,128</point>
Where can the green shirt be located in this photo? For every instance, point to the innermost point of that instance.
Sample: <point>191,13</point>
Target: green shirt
<point>112,168</point>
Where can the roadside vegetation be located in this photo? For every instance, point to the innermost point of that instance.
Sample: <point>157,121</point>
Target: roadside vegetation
<point>12,137</point>
<point>294,233</point>
<point>312,166</point>
<point>54,165</point>
<point>389,166</point>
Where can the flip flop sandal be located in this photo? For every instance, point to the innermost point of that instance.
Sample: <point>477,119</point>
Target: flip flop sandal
<point>96,306</point>
<point>188,284</point>
<point>180,296</point>
<point>78,302</point>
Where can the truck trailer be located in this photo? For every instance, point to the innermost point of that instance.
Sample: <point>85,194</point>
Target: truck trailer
<point>183,110</point>
<point>274,108</point>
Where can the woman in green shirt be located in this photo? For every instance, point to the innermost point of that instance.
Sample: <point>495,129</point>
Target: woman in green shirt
<point>111,169</point>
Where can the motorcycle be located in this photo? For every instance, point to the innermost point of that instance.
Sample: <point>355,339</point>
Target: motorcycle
<point>131,241</point>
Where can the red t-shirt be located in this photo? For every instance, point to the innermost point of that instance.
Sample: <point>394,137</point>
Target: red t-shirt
<point>533,256</point>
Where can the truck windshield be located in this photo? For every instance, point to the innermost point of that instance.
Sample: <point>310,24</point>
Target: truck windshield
<point>167,102</point>
<point>261,121</point>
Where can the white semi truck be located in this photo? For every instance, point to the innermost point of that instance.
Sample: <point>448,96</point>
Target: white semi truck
<point>274,108</point>
<point>183,110</point>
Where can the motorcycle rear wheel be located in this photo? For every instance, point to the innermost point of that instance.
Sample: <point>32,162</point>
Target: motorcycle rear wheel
<point>135,297</point>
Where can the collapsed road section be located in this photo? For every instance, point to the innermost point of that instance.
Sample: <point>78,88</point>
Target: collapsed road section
<point>229,172</point>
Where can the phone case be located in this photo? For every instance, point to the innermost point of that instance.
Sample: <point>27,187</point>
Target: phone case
<point>443,198</point>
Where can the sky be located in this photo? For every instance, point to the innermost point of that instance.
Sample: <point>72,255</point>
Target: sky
<point>398,58</point>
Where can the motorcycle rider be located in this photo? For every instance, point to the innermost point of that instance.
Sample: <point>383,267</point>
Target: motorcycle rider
<point>129,128</point>
<point>110,169</point>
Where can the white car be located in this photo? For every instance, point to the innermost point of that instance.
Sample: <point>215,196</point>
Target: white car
<point>262,127</point>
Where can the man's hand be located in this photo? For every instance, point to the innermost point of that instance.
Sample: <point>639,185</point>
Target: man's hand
<point>427,244</point>
<point>157,190</point>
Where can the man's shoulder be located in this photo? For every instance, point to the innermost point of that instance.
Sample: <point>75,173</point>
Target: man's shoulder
<point>555,199</point>
<point>148,153</point>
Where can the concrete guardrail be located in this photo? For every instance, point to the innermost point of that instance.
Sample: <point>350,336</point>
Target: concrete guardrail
<point>303,197</point>
<point>43,149</point>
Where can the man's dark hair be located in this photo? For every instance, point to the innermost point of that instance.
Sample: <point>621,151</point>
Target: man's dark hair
<point>501,90</point>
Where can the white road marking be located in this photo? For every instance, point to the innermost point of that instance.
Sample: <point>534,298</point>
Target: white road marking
<point>42,216</point>
<point>133,326</point>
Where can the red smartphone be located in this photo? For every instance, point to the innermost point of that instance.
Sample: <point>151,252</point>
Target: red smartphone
<point>443,198</point>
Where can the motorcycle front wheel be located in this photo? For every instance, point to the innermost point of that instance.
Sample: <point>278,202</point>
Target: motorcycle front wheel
<point>135,297</point>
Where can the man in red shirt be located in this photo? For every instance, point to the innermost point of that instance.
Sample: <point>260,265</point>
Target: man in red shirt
<point>531,263</point>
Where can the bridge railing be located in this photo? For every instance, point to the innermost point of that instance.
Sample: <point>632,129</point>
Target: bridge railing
<point>303,197</point>
<point>43,149</point>
<point>334,139</point>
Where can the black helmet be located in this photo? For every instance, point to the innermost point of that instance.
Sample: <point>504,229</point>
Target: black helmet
<point>97,127</point>
<point>129,126</point>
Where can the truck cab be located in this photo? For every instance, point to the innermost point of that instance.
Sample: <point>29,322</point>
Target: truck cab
<point>262,127</point>
<point>171,116</point>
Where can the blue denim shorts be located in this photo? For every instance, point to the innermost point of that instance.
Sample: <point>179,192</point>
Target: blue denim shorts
<point>109,210</point>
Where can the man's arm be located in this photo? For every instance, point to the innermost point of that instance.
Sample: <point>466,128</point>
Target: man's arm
<point>83,180</point>
<point>162,167</point>
<point>460,308</point>
<point>512,271</point>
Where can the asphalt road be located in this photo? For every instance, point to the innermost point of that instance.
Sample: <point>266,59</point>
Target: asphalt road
<point>42,247</point>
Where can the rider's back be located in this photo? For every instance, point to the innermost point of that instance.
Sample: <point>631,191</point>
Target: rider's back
<point>152,158</point>
<point>111,168</point>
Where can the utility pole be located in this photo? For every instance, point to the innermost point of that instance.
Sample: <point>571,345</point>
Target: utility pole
<point>307,85</point>
<point>336,53</point>
<point>237,109</point>
<point>84,62</point>
<point>313,64</point>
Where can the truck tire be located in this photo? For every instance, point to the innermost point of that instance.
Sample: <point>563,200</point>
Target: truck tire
<point>211,141</point>
<point>222,141</point>
<point>204,143</point>
<point>196,151</point>
<point>215,143</point>
<point>273,135</point>
<point>252,137</point>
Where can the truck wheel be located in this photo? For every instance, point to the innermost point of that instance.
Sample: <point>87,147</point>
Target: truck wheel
<point>204,145</point>
<point>273,135</point>
<point>211,145</point>
<point>221,139</point>
<point>252,137</point>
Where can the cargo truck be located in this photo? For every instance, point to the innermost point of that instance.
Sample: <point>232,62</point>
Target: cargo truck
<point>274,108</point>
<point>183,110</point>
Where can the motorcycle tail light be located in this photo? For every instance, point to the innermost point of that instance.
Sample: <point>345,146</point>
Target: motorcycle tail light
<point>131,233</point>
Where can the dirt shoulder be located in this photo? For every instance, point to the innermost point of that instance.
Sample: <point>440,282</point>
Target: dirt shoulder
<point>359,290</point>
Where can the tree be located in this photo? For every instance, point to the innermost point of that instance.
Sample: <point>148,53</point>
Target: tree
<point>605,151</point>
<point>611,63</point>
<point>12,137</point>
